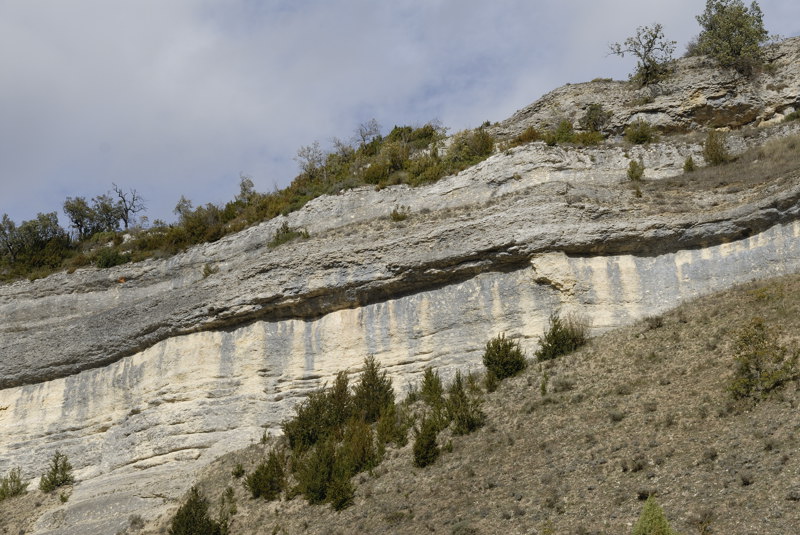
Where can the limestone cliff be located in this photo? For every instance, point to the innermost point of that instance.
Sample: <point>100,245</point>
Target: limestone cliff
<point>698,95</point>
<point>143,372</point>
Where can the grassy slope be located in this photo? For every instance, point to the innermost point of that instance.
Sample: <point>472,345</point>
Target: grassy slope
<point>637,411</point>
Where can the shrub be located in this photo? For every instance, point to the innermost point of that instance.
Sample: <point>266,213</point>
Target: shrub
<point>588,138</point>
<point>310,423</point>
<point>340,492</point>
<point>268,480</point>
<point>469,148</point>
<point>320,415</point>
<point>463,410</point>
<point>529,135</point>
<point>652,520</point>
<point>732,34</point>
<point>357,452</point>
<point>392,427</point>
<point>688,165</point>
<point>110,257</point>
<point>640,132</point>
<point>286,234</point>
<point>595,118</point>
<point>794,116</point>
<point>762,365</point>
<point>490,381</point>
<point>635,171</point>
<point>315,471</point>
<point>714,150</point>
<point>563,133</point>
<point>58,475</point>
<point>431,391</point>
<point>374,391</point>
<point>12,485</point>
<point>564,335</point>
<point>652,51</point>
<point>192,517</point>
<point>399,213</point>
<point>503,358</point>
<point>426,450</point>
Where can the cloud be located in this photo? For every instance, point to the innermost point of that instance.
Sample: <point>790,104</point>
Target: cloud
<point>177,98</point>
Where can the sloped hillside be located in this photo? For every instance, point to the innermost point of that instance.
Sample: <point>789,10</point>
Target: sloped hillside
<point>145,373</point>
<point>641,410</point>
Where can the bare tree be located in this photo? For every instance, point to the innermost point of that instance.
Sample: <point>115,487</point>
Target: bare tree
<point>130,204</point>
<point>183,209</point>
<point>310,159</point>
<point>367,132</point>
<point>247,190</point>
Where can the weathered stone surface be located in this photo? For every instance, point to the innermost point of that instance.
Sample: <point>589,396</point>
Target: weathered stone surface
<point>144,372</point>
<point>492,217</point>
<point>697,96</point>
<point>136,429</point>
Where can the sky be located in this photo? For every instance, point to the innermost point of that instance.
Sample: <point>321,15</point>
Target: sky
<point>181,97</point>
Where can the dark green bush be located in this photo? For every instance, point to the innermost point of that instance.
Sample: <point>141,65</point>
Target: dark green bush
<point>762,365</point>
<point>563,335</point>
<point>110,257</point>
<point>688,165</point>
<point>11,485</point>
<point>503,358</point>
<point>374,391</point>
<point>640,132</point>
<point>269,479</point>
<point>426,450</point>
<point>340,491</point>
<point>463,409</point>
<point>358,452</point>
<point>733,34</point>
<point>491,382</point>
<point>431,390</point>
<point>310,423</point>
<point>314,471</point>
<point>714,150</point>
<point>192,517</point>
<point>392,426</point>
<point>320,415</point>
<point>58,475</point>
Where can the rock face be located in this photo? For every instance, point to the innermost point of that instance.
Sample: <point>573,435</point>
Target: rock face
<point>699,95</point>
<point>144,372</point>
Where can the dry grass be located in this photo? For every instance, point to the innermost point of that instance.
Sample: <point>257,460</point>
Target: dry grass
<point>639,411</point>
<point>776,159</point>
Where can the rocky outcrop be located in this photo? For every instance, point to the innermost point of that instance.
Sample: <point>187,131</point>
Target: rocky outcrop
<point>143,372</point>
<point>698,95</point>
<point>492,217</point>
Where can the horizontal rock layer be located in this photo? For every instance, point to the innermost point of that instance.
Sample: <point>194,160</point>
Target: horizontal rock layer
<point>136,429</point>
<point>492,217</point>
<point>698,95</point>
<point>145,372</point>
